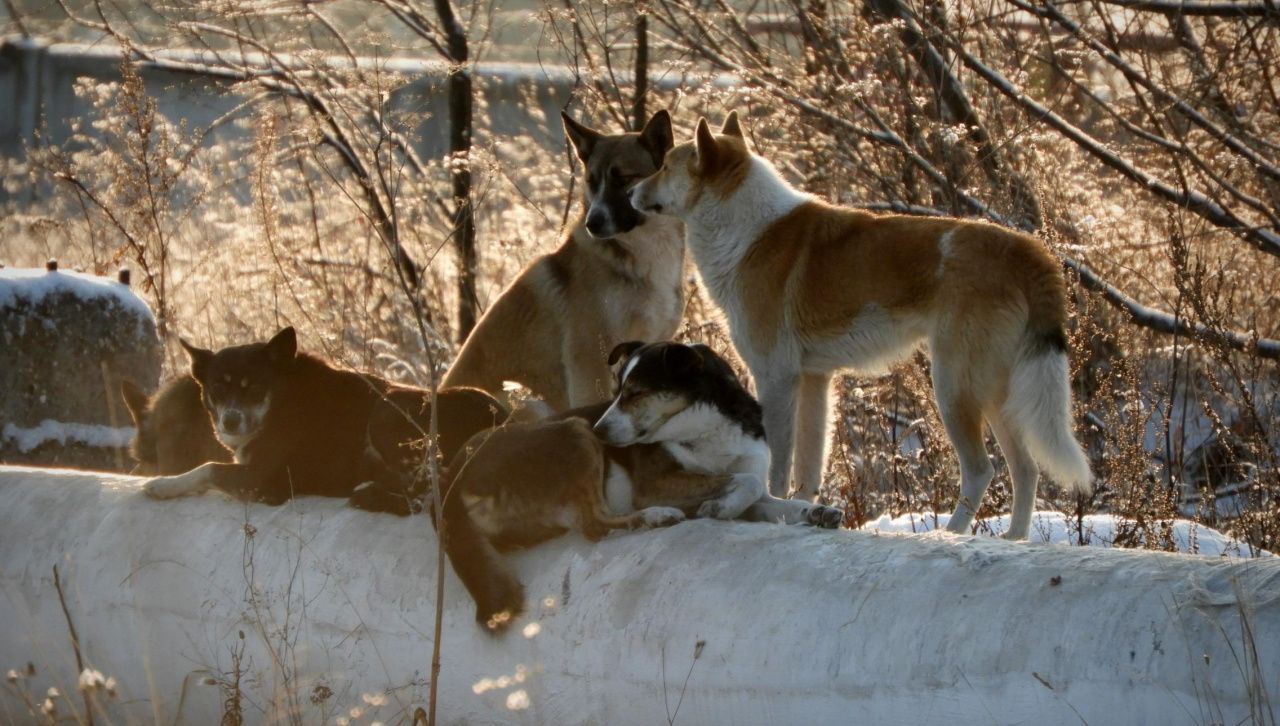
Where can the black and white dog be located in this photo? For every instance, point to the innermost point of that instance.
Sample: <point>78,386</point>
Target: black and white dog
<point>688,399</point>
<point>680,438</point>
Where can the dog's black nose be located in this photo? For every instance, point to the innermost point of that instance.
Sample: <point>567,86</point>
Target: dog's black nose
<point>231,421</point>
<point>596,223</point>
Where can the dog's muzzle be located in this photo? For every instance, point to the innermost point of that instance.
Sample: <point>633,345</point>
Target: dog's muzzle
<point>641,205</point>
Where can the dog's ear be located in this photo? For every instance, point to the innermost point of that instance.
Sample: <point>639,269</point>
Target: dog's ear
<point>731,127</point>
<point>199,359</point>
<point>623,351</point>
<point>656,136</point>
<point>582,138</point>
<point>682,360</point>
<point>283,347</point>
<point>136,400</point>
<point>713,361</point>
<point>705,143</point>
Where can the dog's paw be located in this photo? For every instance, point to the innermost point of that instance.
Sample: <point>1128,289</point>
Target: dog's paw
<point>499,606</point>
<point>713,509</point>
<point>372,498</point>
<point>661,516</point>
<point>166,487</point>
<point>825,517</point>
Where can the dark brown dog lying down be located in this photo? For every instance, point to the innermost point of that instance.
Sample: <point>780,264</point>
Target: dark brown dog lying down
<point>297,425</point>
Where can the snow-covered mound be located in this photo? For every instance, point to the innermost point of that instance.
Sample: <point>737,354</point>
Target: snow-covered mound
<point>1094,530</point>
<point>320,609</point>
<point>67,339</point>
<point>32,287</point>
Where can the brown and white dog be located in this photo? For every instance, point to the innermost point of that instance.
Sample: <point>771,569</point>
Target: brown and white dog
<point>682,437</point>
<point>616,277</point>
<point>810,288</point>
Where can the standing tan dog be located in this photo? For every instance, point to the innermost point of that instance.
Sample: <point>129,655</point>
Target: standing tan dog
<point>616,277</point>
<point>810,288</point>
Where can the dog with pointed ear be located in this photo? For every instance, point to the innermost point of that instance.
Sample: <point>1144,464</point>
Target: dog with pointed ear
<point>173,430</point>
<point>709,150</point>
<point>614,163</point>
<point>617,276</point>
<point>708,163</point>
<point>810,288</point>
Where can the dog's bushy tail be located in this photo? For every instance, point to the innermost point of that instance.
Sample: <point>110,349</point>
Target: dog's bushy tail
<point>498,594</point>
<point>1039,405</point>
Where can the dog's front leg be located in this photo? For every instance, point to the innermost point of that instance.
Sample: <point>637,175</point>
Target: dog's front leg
<point>811,433</point>
<point>243,481</point>
<point>739,494</point>
<point>793,511</point>
<point>778,398</point>
<point>196,481</point>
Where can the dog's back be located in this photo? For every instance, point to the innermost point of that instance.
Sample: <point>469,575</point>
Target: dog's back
<point>319,415</point>
<point>395,451</point>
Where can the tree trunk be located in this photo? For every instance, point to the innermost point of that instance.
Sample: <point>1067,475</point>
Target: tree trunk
<point>460,106</point>
<point>638,114</point>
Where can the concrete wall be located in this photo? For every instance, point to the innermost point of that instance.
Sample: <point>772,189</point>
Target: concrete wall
<point>331,608</point>
<point>36,85</point>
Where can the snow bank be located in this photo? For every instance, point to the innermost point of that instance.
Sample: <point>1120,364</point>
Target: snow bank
<point>732,623</point>
<point>29,439</point>
<point>67,340</point>
<point>32,286</point>
<point>1094,530</point>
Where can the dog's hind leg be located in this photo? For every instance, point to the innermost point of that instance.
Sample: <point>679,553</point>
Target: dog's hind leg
<point>598,520</point>
<point>963,421</point>
<point>497,592</point>
<point>811,433</point>
<point>1024,472</point>
<point>778,398</point>
<point>586,375</point>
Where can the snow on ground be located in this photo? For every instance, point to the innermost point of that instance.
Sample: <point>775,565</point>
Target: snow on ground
<point>740,623</point>
<point>27,439</point>
<point>1059,528</point>
<point>33,285</point>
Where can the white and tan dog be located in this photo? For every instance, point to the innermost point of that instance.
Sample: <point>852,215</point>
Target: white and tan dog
<point>810,288</point>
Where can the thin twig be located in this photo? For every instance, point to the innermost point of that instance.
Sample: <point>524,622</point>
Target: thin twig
<point>75,643</point>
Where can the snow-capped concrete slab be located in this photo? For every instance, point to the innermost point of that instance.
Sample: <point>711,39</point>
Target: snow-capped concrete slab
<point>67,339</point>
<point>731,623</point>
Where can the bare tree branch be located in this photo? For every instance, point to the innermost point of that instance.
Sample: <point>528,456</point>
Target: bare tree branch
<point>1194,201</point>
<point>1202,9</point>
<point>1152,319</point>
